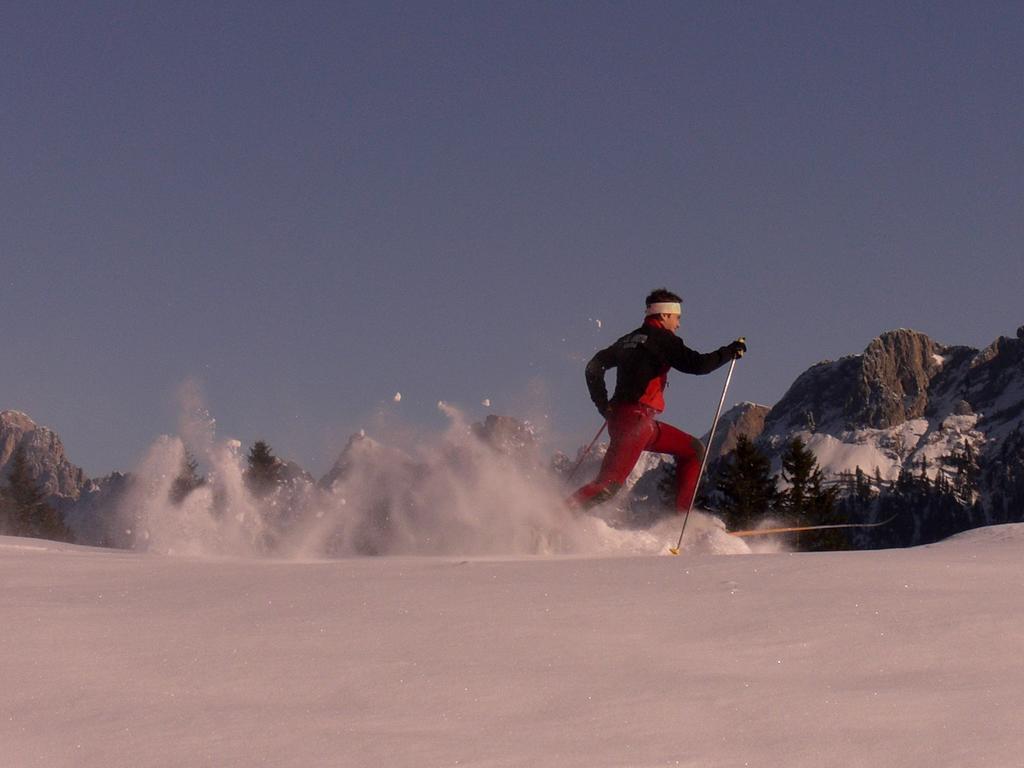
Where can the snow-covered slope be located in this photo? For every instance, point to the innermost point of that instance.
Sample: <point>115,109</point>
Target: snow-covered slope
<point>889,658</point>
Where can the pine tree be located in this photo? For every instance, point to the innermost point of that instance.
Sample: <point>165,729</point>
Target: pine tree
<point>862,490</point>
<point>747,486</point>
<point>28,514</point>
<point>807,500</point>
<point>967,474</point>
<point>857,505</point>
<point>188,479</point>
<point>264,472</point>
<point>823,500</point>
<point>799,469</point>
<point>7,513</point>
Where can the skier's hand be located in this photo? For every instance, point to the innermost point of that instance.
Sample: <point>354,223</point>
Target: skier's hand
<point>738,348</point>
<point>604,410</point>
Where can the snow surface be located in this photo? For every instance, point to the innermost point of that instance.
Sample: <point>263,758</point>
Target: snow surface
<point>890,658</point>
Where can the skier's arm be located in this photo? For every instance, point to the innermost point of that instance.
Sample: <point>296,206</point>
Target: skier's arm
<point>684,359</point>
<point>595,371</point>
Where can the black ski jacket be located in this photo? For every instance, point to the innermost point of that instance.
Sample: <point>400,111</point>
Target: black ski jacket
<point>642,356</point>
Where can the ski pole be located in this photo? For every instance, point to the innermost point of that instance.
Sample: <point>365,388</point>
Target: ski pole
<point>587,451</point>
<point>704,462</point>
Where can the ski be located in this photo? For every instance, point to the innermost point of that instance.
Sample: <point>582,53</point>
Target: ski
<point>798,528</point>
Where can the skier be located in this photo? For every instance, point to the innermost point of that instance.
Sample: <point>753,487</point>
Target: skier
<point>643,358</point>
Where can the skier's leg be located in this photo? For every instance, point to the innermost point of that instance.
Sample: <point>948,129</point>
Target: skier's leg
<point>688,452</point>
<point>630,428</point>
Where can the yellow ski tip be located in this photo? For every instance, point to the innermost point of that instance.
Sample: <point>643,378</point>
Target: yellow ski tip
<point>674,550</point>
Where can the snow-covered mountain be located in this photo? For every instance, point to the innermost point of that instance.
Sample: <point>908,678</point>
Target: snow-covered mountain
<point>909,404</point>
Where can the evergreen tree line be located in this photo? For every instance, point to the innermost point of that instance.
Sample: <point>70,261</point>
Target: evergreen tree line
<point>24,510</point>
<point>745,492</point>
<point>263,474</point>
<point>748,493</point>
<point>922,509</point>
<point>1003,477</point>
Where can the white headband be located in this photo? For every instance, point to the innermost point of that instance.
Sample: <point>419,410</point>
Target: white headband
<point>665,308</point>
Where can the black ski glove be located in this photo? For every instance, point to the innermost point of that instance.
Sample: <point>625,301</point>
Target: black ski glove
<point>738,348</point>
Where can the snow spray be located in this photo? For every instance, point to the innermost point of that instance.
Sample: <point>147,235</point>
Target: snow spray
<point>450,493</point>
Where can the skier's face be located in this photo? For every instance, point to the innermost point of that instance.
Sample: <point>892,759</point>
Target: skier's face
<point>671,322</point>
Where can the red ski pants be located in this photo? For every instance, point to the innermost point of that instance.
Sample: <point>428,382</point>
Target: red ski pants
<point>633,429</point>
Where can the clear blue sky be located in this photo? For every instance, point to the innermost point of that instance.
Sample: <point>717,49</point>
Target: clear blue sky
<point>308,207</point>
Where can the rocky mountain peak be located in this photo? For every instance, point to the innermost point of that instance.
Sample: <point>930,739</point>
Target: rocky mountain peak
<point>17,420</point>
<point>883,387</point>
<point>994,381</point>
<point>44,451</point>
<point>742,420</point>
<point>896,370</point>
<point>14,425</point>
<point>506,434</point>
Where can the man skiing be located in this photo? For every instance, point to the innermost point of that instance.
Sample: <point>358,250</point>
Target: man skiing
<point>642,359</point>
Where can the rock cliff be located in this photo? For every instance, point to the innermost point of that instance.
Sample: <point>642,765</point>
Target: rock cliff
<point>57,477</point>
